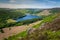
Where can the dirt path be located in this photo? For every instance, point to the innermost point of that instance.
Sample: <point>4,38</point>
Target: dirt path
<point>15,30</point>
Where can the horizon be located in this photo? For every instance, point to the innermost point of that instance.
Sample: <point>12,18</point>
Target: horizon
<point>29,3</point>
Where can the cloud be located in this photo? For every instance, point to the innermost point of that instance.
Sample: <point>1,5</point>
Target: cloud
<point>29,4</point>
<point>54,2</point>
<point>11,1</point>
<point>19,1</point>
<point>2,5</point>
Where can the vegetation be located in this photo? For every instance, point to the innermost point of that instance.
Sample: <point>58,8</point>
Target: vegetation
<point>1,30</point>
<point>10,21</point>
<point>46,19</point>
<point>8,16</point>
<point>52,33</point>
<point>15,37</point>
<point>55,10</point>
<point>38,34</point>
<point>45,35</point>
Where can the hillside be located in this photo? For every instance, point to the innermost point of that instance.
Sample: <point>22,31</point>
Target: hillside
<point>53,26</point>
<point>44,13</point>
<point>8,16</point>
<point>15,30</point>
<point>47,31</point>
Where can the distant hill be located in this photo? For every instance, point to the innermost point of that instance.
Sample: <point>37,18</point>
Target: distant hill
<point>55,10</point>
<point>44,13</point>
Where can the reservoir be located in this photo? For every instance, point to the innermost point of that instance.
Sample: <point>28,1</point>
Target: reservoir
<point>27,17</point>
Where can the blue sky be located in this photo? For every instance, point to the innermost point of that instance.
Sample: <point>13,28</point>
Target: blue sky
<point>29,3</point>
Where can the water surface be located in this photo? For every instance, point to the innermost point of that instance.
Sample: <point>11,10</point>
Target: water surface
<point>27,17</point>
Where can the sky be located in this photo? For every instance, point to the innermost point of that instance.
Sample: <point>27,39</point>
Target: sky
<point>29,3</point>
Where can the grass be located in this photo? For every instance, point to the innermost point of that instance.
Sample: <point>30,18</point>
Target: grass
<point>16,37</point>
<point>51,35</point>
<point>11,21</point>
<point>47,19</point>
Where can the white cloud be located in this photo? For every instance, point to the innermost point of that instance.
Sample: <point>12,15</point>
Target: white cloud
<point>51,1</point>
<point>12,1</point>
<point>54,2</point>
<point>2,5</point>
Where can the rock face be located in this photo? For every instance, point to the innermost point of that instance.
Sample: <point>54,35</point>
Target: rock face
<point>54,25</point>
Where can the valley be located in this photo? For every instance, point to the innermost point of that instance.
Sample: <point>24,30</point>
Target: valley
<point>22,23</point>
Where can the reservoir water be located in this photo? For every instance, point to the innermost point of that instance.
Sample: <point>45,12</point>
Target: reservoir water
<point>27,17</point>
